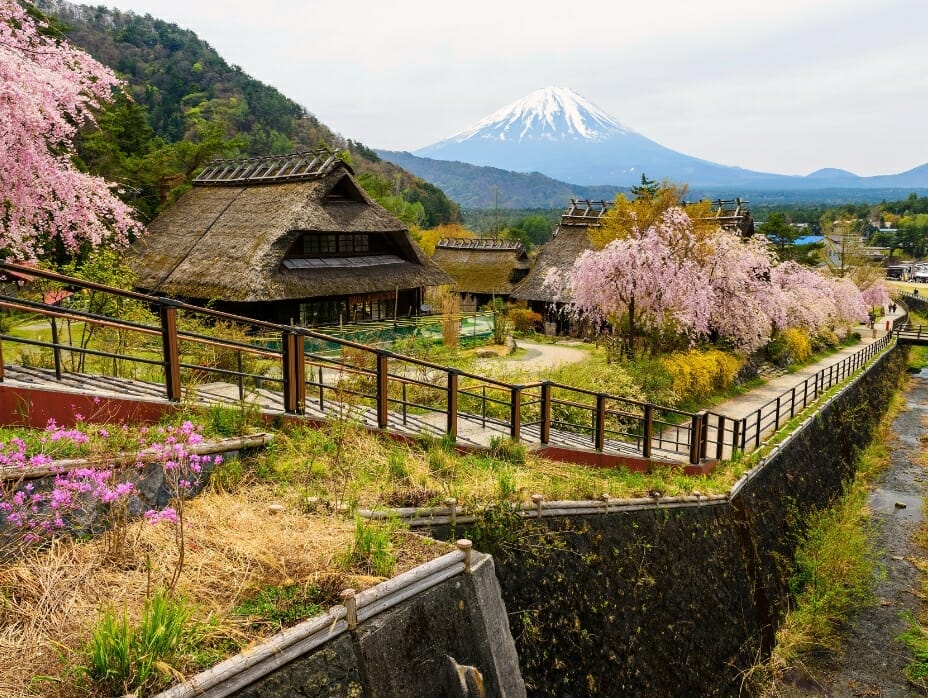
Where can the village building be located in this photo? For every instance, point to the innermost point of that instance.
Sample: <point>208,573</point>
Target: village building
<point>482,268</point>
<point>289,238</point>
<point>570,239</point>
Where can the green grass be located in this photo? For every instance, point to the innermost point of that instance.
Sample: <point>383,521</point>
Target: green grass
<point>124,658</point>
<point>277,607</point>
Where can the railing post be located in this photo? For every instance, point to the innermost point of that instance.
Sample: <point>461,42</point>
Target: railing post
<point>720,437</point>
<point>383,403</point>
<point>776,419</point>
<point>241,378</point>
<point>171,355</point>
<point>545,428</point>
<point>695,434</point>
<point>736,437</point>
<point>515,413</point>
<point>757,433</point>
<point>294,372</point>
<point>805,393</point>
<point>452,402</point>
<point>2,370</point>
<point>704,434</point>
<point>599,438</point>
<point>56,351</point>
<point>648,430</point>
<point>321,394</point>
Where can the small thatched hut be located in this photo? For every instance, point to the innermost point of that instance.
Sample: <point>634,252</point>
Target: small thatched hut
<point>570,239</point>
<point>482,268</point>
<point>286,238</point>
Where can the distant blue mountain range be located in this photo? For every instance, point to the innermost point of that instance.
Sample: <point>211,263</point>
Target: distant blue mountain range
<point>556,132</point>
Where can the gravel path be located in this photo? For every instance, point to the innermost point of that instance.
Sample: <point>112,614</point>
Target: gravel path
<point>873,659</point>
<point>534,357</point>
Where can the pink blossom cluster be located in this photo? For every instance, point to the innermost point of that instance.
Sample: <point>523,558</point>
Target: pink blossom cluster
<point>40,512</point>
<point>667,278</point>
<point>49,90</point>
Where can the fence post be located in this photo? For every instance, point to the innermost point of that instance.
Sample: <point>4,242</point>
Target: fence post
<point>599,438</point>
<point>452,402</point>
<point>515,413</point>
<point>383,378</point>
<point>171,355</point>
<point>56,351</point>
<point>321,394</point>
<point>241,378</point>
<point>704,434</point>
<point>648,430</point>
<point>736,437</point>
<point>695,433</point>
<point>757,434</point>
<point>776,418</point>
<point>545,412</point>
<point>2,371</point>
<point>720,437</point>
<point>294,372</point>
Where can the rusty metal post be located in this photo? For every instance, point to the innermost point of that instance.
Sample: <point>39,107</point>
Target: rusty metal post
<point>452,401</point>
<point>383,384</point>
<point>289,391</point>
<point>515,413</point>
<point>545,412</point>
<point>720,437</point>
<point>736,437</point>
<point>599,438</point>
<point>1,363</point>
<point>792,404</point>
<point>171,352</point>
<point>648,430</point>
<point>695,434</point>
<point>704,434</point>
<point>299,371</point>
<point>776,419</point>
<point>56,350</point>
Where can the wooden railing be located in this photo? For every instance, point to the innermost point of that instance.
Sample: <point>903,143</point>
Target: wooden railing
<point>383,383</point>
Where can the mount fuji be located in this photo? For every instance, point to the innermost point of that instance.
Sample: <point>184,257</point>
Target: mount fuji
<point>557,132</point>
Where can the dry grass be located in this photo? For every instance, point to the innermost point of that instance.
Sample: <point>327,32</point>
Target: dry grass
<point>234,547</point>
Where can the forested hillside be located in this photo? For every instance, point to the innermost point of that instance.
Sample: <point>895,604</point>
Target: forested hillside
<point>188,105</point>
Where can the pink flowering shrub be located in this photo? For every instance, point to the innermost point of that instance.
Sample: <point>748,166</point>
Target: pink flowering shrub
<point>101,496</point>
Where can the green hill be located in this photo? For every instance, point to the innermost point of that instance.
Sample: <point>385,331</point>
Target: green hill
<point>188,94</point>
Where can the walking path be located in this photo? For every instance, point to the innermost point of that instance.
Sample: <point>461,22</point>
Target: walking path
<point>756,398</point>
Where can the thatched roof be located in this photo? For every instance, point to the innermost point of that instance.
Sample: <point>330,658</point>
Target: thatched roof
<point>482,266</point>
<point>228,237</point>
<point>570,239</point>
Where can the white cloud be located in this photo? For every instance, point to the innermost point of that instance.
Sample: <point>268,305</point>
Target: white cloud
<point>790,86</point>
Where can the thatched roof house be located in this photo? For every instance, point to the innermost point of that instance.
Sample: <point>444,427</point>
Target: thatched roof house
<point>482,268</point>
<point>285,238</point>
<point>570,239</point>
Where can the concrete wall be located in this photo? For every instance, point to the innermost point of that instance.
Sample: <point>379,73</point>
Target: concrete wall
<point>439,630</point>
<point>671,600</point>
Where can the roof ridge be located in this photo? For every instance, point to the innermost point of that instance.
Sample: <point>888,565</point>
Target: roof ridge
<point>300,165</point>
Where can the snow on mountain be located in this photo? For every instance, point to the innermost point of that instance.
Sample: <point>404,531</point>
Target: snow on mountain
<point>561,134</point>
<point>552,113</point>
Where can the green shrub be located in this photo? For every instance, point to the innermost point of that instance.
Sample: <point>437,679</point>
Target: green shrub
<point>372,549</point>
<point>123,659</point>
<point>523,319</point>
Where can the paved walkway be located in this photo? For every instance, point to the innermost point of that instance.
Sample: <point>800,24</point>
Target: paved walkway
<point>756,398</point>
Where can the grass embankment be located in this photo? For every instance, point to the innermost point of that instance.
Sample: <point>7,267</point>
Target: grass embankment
<point>834,568</point>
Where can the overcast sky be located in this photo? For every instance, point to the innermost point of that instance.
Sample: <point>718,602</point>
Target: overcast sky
<point>789,86</point>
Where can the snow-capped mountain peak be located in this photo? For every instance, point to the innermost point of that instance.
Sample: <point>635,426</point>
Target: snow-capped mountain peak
<point>551,113</point>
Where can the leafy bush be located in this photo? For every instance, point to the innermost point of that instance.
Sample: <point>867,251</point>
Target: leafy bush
<point>698,374</point>
<point>791,346</point>
<point>372,550</point>
<point>124,659</point>
<point>523,319</point>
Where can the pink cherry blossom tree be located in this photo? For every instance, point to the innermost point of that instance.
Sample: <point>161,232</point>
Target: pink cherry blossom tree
<point>48,90</point>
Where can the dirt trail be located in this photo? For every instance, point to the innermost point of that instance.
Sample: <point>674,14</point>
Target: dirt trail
<point>873,658</point>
